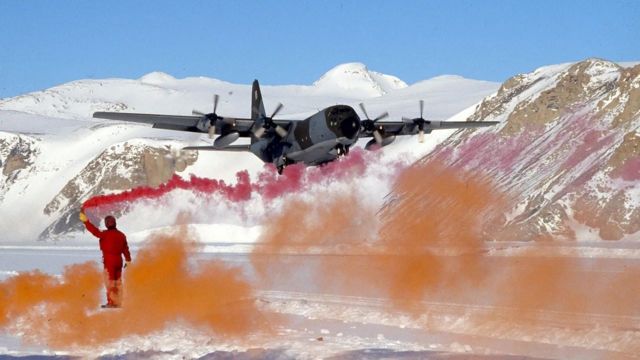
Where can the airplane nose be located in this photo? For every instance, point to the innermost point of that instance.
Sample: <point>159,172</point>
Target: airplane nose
<point>356,126</point>
<point>350,127</point>
<point>345,120</point>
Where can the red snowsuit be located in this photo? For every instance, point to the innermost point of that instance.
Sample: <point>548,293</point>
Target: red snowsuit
<point>113,244</point>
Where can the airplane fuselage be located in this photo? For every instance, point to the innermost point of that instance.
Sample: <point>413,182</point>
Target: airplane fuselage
<point>320,138</point>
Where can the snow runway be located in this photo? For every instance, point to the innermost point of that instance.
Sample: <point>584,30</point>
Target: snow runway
<point>352,324</point>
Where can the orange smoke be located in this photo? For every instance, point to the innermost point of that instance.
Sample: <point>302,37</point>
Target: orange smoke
<point>432,233</point>
<point>394,253</point>
<point>160,288</point>
<point>429,243</point>
<point>35,298</point>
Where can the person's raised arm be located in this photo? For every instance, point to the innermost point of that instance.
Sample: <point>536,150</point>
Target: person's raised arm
<point>92,229</point>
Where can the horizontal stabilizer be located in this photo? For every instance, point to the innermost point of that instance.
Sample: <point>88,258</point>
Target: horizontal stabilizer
<point>213,148</point>
<point>458,124</point>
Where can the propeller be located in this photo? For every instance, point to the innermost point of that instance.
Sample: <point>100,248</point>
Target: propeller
<point>211,118</point>
<point>418,122</point>
<point>268,123</point>
<point>369,125</point>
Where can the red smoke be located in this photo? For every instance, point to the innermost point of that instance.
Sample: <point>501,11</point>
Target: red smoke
<point>269,185</point>
<point>239,192</point>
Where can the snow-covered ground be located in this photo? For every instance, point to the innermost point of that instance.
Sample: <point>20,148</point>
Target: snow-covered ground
<point>351,324</point>
<point>312,316</point>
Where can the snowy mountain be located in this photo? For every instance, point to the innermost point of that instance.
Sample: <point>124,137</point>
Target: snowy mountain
<point>567,152</point>
<point>356,77</point>
<point>55,156</point>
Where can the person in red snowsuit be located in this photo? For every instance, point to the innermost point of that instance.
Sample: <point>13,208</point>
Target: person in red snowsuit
<point>113,244</point>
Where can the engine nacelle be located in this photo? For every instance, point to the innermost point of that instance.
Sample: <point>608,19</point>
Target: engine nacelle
<point>388,140</point>
<point>372,144</point>
<point>204,124</point>
<point>226,140</point>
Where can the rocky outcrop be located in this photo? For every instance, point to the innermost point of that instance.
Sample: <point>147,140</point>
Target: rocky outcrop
<point>121,167</point>
<point>567,152</point>
<point>17,153</point>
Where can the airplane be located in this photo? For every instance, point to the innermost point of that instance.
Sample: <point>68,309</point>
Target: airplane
<point>316,140</point>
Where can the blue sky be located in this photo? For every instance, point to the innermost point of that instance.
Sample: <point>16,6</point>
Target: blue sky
<point>45,43</point>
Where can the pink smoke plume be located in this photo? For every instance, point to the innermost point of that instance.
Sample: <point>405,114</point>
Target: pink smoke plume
<point>269,185</point>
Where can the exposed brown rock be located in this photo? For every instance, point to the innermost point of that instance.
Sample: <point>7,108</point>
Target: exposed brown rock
<point>496,104</point>
<point>568,154</point>
<point>628,150</point>
<point>556,102</point>
<point>13,163</point>
<point>159,167</point>
<point>629,83</point>
<point>121,167</point>
<point>20,153</point>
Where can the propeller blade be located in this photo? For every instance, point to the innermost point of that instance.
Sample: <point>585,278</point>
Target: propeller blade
<point>381,116</point>
<point>216,98</point>
<point>421,108</point>
<point>258,133</point>
<point>364,110</point>
<point>197,113</point>
<point>421,136</point>
<point>277,110</point>
<point>378,137</point>
<point>212,132</point>
<point>282,132</point>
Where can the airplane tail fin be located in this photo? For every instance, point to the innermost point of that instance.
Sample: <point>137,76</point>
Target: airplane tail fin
<point>257,107</point>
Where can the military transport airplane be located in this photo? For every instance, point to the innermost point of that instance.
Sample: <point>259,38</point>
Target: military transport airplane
<point>321,138</point>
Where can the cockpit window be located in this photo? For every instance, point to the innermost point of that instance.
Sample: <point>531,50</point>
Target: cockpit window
<point>343,121</point>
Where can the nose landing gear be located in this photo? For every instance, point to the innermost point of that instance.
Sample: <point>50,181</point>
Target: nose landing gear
<point>281,163</point>
<point>342,150</point>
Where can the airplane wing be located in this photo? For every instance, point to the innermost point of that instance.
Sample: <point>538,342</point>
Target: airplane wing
<point>173,122</point>
<point>408,128</point>
<point>181,122</point>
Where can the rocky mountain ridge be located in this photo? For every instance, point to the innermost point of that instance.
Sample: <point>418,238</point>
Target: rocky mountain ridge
<point>567,152</point>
